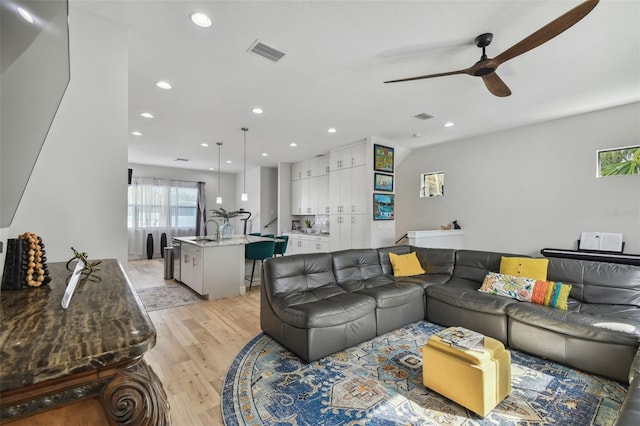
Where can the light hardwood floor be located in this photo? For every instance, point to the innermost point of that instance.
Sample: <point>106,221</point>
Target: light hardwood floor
<point>195,346</point>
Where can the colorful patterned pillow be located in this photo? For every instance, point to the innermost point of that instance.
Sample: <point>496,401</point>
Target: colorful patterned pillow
<point>519,288</point>
<point>551,294</point>
<point>524,267</point>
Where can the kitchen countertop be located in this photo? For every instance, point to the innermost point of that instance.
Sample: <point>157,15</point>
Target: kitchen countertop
<point>233,241</point>
<point>304,233</point>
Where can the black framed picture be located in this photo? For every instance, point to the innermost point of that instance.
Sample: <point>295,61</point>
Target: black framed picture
<point>382,182</point>
<point>382,158</point>
<point>383,206</point>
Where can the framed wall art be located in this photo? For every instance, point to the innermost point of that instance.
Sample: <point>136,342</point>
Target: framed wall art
<point>382,158</point>
<point>383,206</point>
<point>382,182</point>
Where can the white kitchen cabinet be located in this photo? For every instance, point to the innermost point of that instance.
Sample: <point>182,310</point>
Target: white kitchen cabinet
<point>323,165</point>
<point>351,156</point>
<point>308,243</point>
<point>360,190</point>
<point>348,191</point>
<point>297,170</point>
<point>318,244</point>
<point>322,194</point>
<point>296,197</point>
<point>349,231</point>
<point>191,272</point>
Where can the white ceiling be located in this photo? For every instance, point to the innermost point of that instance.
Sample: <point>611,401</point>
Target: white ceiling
<point>338,53</point>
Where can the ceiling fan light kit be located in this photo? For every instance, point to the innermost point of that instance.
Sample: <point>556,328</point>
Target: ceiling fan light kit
<point>486,67</point>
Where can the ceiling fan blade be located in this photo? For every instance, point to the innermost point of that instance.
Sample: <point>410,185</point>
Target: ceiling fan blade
<point>442,74</point>
<point>546,33</point>
<point>496,85</point>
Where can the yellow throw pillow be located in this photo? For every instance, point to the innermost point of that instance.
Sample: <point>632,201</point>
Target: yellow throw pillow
<point>405,265</point>
<point>524,267</point>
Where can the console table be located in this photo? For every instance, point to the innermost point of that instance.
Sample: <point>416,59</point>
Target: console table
<point>50,356</point>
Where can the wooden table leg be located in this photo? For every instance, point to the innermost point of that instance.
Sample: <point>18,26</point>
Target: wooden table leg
<point>135,396</point>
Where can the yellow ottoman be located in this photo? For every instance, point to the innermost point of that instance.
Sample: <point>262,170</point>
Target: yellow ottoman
<point>476,380</point>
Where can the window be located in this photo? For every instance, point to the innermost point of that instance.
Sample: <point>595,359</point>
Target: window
<point>160,204</point>
<point>618,161</point>
<point>184,205</point>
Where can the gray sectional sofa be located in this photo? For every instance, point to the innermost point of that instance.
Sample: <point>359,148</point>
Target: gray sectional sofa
<point>318,304</point>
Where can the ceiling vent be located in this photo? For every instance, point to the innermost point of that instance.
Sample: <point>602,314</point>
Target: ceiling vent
<point>423,116</point>
<point>182,159</point>
<point>266,51</point>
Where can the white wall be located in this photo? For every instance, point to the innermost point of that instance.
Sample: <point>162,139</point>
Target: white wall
<point>77,193</point>
<point>284,198</point>
<point>268,199</point>
<point>529,188</point>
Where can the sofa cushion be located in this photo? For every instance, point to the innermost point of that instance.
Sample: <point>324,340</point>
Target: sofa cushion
<point>425,280</point>
<point>356,285</point>
<point>474,265</point>
<point>612,328</point>
<point>436,260</point>
<point>387,294</point>
<point>356,264</point>
<point>524,267</point>
<point>470,298</point>
<point>322,307</point>
<point>405,265</point>
<point>598,282</point>
<point>302,272</point>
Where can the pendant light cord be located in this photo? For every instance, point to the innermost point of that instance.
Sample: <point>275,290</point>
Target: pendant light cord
<point>219,146</point>
<point>244,175</point>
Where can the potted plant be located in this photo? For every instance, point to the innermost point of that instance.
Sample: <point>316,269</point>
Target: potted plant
<point>226,229</point>
<point>309,228</point>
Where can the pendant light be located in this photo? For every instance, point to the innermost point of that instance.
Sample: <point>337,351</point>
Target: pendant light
<point>219,197</point>
<point>244,196</point>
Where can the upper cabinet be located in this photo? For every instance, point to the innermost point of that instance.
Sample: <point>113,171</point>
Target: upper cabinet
<point>310,186</point>
<point>306,169</point>
<point>351,156</point>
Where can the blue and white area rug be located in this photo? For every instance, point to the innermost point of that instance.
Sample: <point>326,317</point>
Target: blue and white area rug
<point>379,382</point>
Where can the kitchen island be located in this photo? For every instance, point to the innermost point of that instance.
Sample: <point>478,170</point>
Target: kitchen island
<point>214,269</point>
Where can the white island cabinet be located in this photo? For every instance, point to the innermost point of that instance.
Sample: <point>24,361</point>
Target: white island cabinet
<point>214,268</point>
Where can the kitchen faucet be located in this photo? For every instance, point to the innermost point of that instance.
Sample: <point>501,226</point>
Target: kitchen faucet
<point>217,228</point>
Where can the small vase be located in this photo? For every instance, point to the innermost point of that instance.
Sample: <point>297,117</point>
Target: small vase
<point>226,230</point>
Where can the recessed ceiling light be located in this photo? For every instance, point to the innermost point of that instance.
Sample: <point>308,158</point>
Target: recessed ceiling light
<point>257,111</point>
<point>210,168</point>
<point>331,130</point>
<point>136,133</point>
<point>147,115</point>
<point>449,124</point>
<point>264,154</point>
<point>201,20</point>
<point>204,144</point>
<point>26,15</point>
<point>293,144</point>
<point>228,161</point>
<point>163,85</point>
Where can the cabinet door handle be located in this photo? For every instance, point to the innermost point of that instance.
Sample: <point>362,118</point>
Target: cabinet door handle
<point>353,219</point>
<point>353,208</point>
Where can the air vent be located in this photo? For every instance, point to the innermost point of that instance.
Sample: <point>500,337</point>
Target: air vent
<point>266,51</point>
<point>182,159</point>
<point>423,116</point>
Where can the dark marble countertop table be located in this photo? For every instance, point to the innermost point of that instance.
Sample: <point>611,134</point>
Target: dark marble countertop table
<point>51,355</point>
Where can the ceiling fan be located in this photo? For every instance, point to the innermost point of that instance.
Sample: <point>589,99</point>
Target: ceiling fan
<point>486,67</point>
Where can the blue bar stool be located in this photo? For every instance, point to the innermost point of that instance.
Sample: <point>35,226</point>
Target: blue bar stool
<point>258,251</point>
<point>281,246</point>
